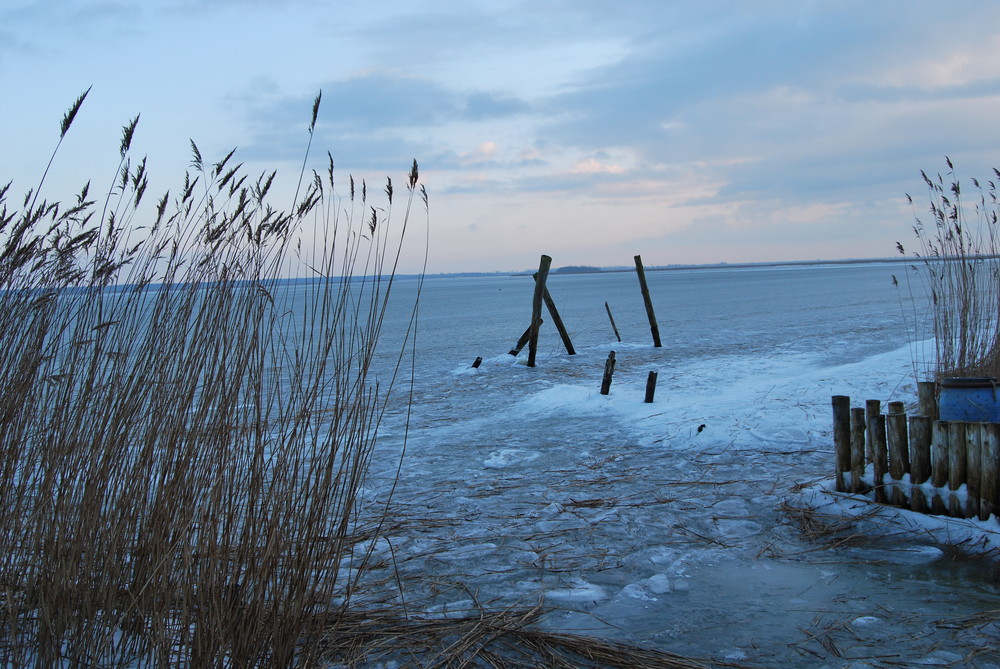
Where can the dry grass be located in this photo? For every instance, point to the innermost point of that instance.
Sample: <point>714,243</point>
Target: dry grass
<point>958,251</point>
<point>183,434</point>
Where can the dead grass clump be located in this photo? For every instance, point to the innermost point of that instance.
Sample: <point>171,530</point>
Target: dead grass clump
<point>183,432</point>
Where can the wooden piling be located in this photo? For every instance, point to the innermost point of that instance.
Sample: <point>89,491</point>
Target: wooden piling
<point>920,461</point>
<point>857,450</point>
<point>536,306</point>
<point>648,301</point>
<point>956,466</point>
<point>939,464</point>
<point>872,408</point>
<point>898,442</point>
<point>880,459</point>
<point>612,319</point>
<point>842,438</point>
<point>973,467</point>
<point>989,490</point>
<point>478,361</point>
<point>926,392</point>
<point>650,387</point>
<point>556,319</point>
<point>522,341</point>
<point>609,370</point>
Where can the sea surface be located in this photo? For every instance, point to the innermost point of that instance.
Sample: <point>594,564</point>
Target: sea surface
<point>676,523</point>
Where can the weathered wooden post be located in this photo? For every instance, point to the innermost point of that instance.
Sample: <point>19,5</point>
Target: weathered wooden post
<point>880,459</point>
<point>612,319</point>
<point>920,460</point>
<point>842,438</point>
<point>650,387</point>
<point>536,307</point>
<point>857,450</point>
<point>478,361</point>
<point>973,467</point>
<point>989,486</point>
<point>609,370</point>
<point>939,464</point>
<point>872,409</point>
<point>899,459</point>
<point>557,320</point>
<point>648,301</point>
<point>522,341</point>
<point>928,401</point>
<point>956,466</point>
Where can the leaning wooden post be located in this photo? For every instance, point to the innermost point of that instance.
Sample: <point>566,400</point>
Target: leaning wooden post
<point>973,462</point>
<point>872,409</point>
<point>609,370</point>
<point>650,387</point>
<point>842,438</point>
<point>880,461</point>
<point>536,307</point>
<point>956,466</point>
<point>920,460</point>
<point>857,450</point>
<point>989,471</point>
<point>899,459</point>
<point>649,302</point>
<point>612,319</point>
<point>928,402</point>
<point>939,464</point>
<point>522,341</point>
<point>556,319</point>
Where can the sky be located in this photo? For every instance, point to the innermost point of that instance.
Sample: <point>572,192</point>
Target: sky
<point>688,132</point>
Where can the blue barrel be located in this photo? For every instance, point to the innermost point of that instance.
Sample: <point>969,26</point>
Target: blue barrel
<point>969,399</point>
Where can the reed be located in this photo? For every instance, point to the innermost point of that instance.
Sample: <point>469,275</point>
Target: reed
<point>958,254</point>
<point>183,432</point>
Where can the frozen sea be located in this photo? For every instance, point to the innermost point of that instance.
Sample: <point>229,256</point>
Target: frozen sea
<point>674,524</point>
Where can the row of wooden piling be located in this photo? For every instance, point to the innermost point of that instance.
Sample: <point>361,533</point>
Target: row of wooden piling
<point>918,462</point>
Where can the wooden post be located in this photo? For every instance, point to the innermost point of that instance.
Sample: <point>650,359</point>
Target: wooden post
<point>928,402</point>
<point>557,320</point>
<point>872,408</point>
<point>880,461</point>
<point>609,370</point>
<point>896,407</point>
<point>973,467</point>
<point>648,301</point>
<point>522,341</point>
<point>920,460</point>
<point>478,361</point>
<point>650,387</point>
<point>939,464</point>
<point>842,438</point>
<point>857,450</point>
<point>612,319</point>
<point>536,307</point>
<point>899,460</point>
<point>989,471</point>
<point>956,466</point>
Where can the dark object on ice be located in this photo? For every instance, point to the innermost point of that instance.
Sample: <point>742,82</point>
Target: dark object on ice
<point>612,319</point>
<point>648,301</point>
<point>701,427</point>
<point>609,370</point>
<point>479,361</point>
<point>521,342</point>
<point>650,387</point>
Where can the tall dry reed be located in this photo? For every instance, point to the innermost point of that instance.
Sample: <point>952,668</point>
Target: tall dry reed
<point>958,249</point>
<point>183,432</point>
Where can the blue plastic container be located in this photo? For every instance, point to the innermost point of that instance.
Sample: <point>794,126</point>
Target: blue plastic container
<point>969,399</point>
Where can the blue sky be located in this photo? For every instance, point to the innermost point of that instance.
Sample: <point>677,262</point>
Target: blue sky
<point>688,132</point>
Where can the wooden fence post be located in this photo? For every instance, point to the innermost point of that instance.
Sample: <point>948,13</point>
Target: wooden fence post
<point>648,301</point>
<point>857,450</point>
<point>880,459</point>
<point>609,370</point>
<point>928,402</point>
<point>522,341</point>
<point>920,460</point>
<point>990,471</point>
<point>842,438</point>
<point>612,319</point>
<point>939,464</point>
<point>973,467</point>
<point>956,466</point>
<point>536,306</point>
<point>650,387</point>
<point>556,319</point>
<point>872,409</point>
<point>899,460</point>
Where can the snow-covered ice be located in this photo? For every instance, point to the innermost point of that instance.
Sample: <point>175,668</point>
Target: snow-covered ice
<point>678,524</point>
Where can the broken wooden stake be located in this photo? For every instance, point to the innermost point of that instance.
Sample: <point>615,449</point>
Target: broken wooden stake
<point>612,319</point>
<point>648,301</point>
<point>550,303</point>
<point>650,387</point>
<point>609,370</point>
